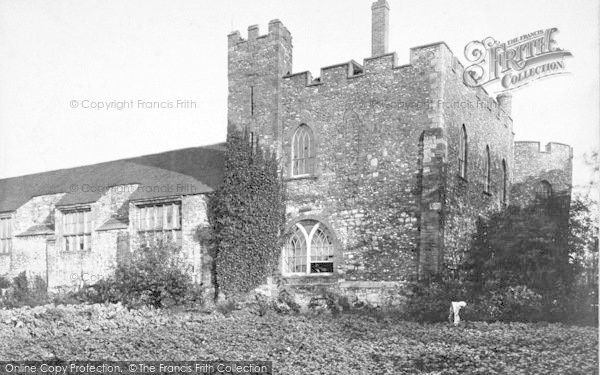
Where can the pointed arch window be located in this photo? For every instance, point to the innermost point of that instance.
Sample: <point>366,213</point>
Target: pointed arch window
<point>303,151</point>
<point>462,152</point>
<point>504,182</point>
<point>308,250</point>
<point>487,170</point>
<point>543,190</point>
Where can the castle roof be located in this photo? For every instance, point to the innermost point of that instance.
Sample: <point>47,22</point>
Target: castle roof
<point>196,170</point>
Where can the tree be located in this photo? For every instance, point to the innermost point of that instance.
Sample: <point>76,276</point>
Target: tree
<point>538,246</point>
<point>247,214</point>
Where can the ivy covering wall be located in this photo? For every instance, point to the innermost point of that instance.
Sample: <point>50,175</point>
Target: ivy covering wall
<point>247,214</point>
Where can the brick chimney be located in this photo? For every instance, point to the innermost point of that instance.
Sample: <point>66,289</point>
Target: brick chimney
<point>379,27</point>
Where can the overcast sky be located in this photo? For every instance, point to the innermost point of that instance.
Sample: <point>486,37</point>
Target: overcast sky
<point>53,53</point>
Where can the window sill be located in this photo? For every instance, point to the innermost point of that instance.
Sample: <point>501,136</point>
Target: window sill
<point>75,251</point>
<point>4,254</point>
<point>302,177</point>
<point>304,275</point>
<point>487,193</point>
<point>462,178</point>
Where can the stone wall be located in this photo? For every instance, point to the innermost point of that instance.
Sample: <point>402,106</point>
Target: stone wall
<point>75,268</point>
<point>29,252</point>
<point>194,221</point>
<point>553,164</point>
<point>44,255</point>
<point>255,68</point>
<point>366,121</point>
<point>487,125</point>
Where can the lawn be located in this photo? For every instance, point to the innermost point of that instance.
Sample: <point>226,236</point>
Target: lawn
<point>297,344</point>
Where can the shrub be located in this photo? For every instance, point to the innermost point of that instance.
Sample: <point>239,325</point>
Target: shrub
<point>263,305</point>
<point>21,294</point>
<point>285,302</point>
<point>103,291</point>
<point>331,301</point>
<point>20,286</point>
<point>226,307</point>
<point>4,282</point>
<point>521,304</point>
<point>153,276</point>
<point>430,299</point>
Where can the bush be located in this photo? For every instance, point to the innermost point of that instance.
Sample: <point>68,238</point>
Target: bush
<point>285,302</point>
<point>226,307</point>
<point>20,293</point>
<point>430,299</point>
<point>4,282</point>
<point>521,304</point>
<point>153,276</point>
<point>330,301</point>
<point>263,304</point>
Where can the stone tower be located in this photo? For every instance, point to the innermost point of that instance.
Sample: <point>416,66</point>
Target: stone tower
<point>255,69</point>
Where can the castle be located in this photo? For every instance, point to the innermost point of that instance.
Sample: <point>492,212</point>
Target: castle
<point>388,168</point>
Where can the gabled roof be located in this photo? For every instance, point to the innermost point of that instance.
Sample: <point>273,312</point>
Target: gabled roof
<point>113,224</point>
<point>38,230</point>
<point>187,171</point>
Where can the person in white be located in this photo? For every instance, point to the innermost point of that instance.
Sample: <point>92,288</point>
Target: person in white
<point>454,311</point>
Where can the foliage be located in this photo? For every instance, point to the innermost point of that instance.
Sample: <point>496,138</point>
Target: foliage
<point>523,253</point>
<point>330,301</point>
<point>263,304</point>
<point>154,276</point>
<point>431,298</point>
<point>298,344</point>
<point>247,216</point>
<point>522,266</point>
<point>285,301</point>
<point>21,293</point>
<point>4,282</point>
<point>226,307</point>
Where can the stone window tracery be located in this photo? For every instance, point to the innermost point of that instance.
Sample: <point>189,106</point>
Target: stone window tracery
<point>303,151</point>
<point>309,249</point>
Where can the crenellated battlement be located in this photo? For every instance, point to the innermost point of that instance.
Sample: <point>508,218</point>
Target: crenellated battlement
<point>554,148</point>
<point>347,70</point>
<point>276,31</point>
<point>434,57</point>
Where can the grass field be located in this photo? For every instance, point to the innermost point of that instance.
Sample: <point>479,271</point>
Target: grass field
<point>297,344</point>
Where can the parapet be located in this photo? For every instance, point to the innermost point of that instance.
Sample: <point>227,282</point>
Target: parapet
<point>554,148</point>
<point>433,55</point>
<point>276,31</point>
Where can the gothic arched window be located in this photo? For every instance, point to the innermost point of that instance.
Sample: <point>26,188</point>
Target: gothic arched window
<point>543,190</point>
<point>462,153</point>
<point>309,249</point>
<point>303,151</point>
<point>487,170</point>
<point>504,182</point>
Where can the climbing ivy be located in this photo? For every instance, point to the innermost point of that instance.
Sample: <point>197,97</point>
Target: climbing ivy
<point>247,214</point>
